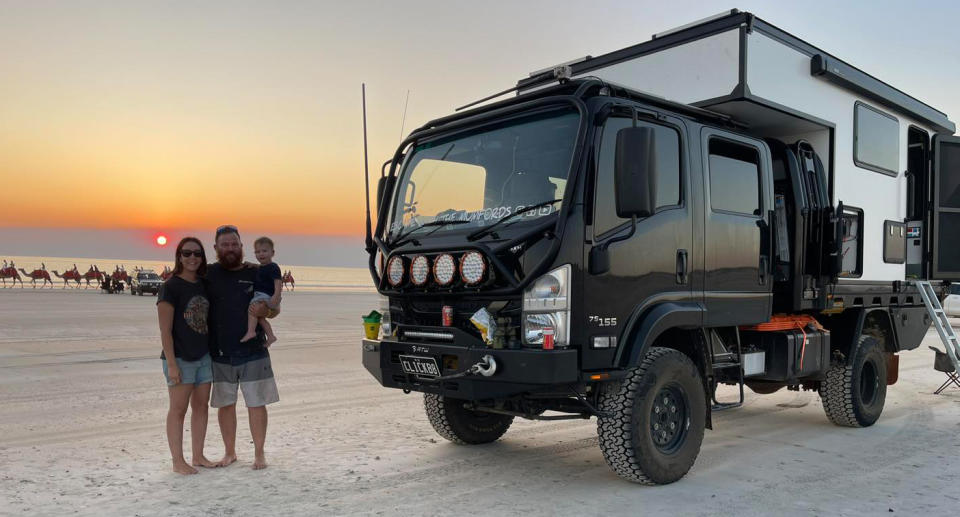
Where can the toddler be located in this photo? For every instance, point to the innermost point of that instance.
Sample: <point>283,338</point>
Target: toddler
<point>266,289</point>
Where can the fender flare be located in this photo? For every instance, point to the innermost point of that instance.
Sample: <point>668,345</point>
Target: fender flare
<point>647,323</point>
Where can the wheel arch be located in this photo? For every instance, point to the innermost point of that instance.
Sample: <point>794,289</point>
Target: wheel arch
<point>674,325</point>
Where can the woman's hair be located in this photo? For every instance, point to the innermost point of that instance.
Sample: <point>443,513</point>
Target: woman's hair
<point>178,265</point>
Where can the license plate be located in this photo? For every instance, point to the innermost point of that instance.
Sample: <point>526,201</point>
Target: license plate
<point>421,366</point>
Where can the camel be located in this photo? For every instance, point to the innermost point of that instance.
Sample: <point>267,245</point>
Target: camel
<point>288,279</point>
<point>167,273</point>
<point>10,272</point>
<point>93,274</point>
<point>38,274</point>
<point>67,276</point>
<point>120,275</point>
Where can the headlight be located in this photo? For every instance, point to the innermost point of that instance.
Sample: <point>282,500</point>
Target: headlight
<point>546,305</point>
<point>534,324</point>
<point>549,292</point>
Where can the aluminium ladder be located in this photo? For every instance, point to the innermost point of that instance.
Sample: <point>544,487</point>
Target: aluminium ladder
<point>940,321</point>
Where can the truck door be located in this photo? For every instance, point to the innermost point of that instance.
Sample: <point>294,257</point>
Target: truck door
<point>737,229</point>
<point>654,263</point>
<point>946,207</point>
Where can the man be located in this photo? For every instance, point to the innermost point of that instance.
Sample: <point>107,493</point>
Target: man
<point>244,365</point>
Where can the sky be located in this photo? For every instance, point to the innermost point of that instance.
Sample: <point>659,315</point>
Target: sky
<point>122,119</point>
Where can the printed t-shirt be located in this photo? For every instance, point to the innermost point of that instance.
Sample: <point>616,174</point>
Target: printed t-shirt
<point>190,313</point>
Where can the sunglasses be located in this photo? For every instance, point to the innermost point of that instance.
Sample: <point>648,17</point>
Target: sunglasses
<point>191,253</point>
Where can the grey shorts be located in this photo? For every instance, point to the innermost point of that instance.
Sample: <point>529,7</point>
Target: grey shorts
<point>254,378</point>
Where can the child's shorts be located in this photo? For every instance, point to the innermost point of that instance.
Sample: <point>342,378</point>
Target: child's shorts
<point>260,297</point>
<point>192,372</point>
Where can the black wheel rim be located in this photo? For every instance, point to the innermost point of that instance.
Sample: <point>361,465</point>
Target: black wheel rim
<point>668,419</point>
<point>869,383</point>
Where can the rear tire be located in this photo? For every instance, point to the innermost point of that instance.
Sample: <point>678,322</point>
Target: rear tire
<point>462,426</point>
<point>656,419</point>
<point>853,394</point>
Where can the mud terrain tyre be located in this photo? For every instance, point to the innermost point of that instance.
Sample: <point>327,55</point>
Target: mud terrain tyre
<point>462,426</point>
<point>853,394</point>
<point>655,419</point>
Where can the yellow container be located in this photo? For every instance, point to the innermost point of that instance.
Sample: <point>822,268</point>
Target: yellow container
<point>371,330</point>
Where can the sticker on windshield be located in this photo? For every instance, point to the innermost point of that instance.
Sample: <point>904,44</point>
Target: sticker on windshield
<point>482,216</point>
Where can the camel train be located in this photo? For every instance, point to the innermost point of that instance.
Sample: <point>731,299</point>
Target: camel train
<point>94,277</point>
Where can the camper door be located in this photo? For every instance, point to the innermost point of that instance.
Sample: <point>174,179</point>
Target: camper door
<point>946,208</point>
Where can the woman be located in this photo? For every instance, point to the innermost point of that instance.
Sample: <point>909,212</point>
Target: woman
<point>182,307</point>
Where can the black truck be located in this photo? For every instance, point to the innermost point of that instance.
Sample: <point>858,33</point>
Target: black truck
<point>585,249</point>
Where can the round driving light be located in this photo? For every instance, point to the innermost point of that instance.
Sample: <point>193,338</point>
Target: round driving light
<point>419,270</point>
<point>395,271</point>
<point>472,267</point>
<point>443,269</point>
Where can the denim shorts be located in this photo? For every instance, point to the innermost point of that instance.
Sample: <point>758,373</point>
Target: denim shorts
<point>260,297</point>
<point>191,372</point>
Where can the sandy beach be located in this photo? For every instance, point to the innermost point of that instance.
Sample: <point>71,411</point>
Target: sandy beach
<point>83,405</point>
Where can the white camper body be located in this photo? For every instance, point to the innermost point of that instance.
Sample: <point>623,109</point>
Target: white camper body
<point>871,137</point>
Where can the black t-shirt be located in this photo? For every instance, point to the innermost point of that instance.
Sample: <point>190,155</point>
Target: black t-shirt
<point>230,293</point>
<point>265,277</point>
<point>190,310</point>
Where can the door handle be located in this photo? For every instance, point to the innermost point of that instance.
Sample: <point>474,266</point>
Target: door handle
<point>681,266</point>
<point>763,270</point>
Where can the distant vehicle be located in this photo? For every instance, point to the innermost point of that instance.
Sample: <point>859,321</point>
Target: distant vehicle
<point>951,305</point>
<point>145,282</point>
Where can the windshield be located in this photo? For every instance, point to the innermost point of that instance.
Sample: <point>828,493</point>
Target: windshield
<point>483,176</point>
<point>148,276</point>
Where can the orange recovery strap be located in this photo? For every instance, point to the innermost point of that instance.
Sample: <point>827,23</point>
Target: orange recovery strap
<point>788,322</point>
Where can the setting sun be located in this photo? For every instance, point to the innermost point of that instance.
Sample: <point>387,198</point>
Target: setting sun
<point>161,240</point>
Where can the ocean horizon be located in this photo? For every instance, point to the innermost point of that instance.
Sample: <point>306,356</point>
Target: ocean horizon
<point>307,278</point>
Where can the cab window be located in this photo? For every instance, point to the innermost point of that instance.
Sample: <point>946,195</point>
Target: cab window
<point>668,171</point>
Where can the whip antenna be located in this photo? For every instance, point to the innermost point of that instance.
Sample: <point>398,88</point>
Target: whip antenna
<point>366,167</point>
<point>403,119</point>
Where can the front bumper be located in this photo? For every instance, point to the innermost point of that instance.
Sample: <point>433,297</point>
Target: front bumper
<point>518,371</point>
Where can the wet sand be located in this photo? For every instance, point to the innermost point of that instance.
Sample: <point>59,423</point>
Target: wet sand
<point>83,406</point>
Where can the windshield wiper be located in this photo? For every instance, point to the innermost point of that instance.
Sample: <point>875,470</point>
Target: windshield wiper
<point>486,230</point>
<point>402,238</point>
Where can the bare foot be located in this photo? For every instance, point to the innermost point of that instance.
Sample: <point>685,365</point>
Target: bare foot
<point>248,336</point>
<point>270,340</point>
<point>227,459</point>
<point>260,462</point>
<point>202,461</point>
<point>183,468</point>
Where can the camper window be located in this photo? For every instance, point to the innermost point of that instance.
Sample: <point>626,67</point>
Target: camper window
<point>734,178</point>
<point>668,171</point>
<point>876,140</point>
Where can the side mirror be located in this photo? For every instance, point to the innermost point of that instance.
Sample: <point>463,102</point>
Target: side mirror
<point>635,172</point>
<point>384,186</point>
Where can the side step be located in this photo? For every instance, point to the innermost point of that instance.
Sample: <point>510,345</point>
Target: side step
<point>722,358</point>
<point>940,321</point>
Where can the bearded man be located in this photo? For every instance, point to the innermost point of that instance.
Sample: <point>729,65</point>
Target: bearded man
<point>237,364</point>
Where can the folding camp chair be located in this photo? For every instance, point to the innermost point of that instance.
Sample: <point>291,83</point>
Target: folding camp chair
<point>942,363</point>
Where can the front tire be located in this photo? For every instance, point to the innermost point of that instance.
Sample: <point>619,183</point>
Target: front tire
<point>656,418</point>
<point>463,426</point>
<point>853,394</point>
